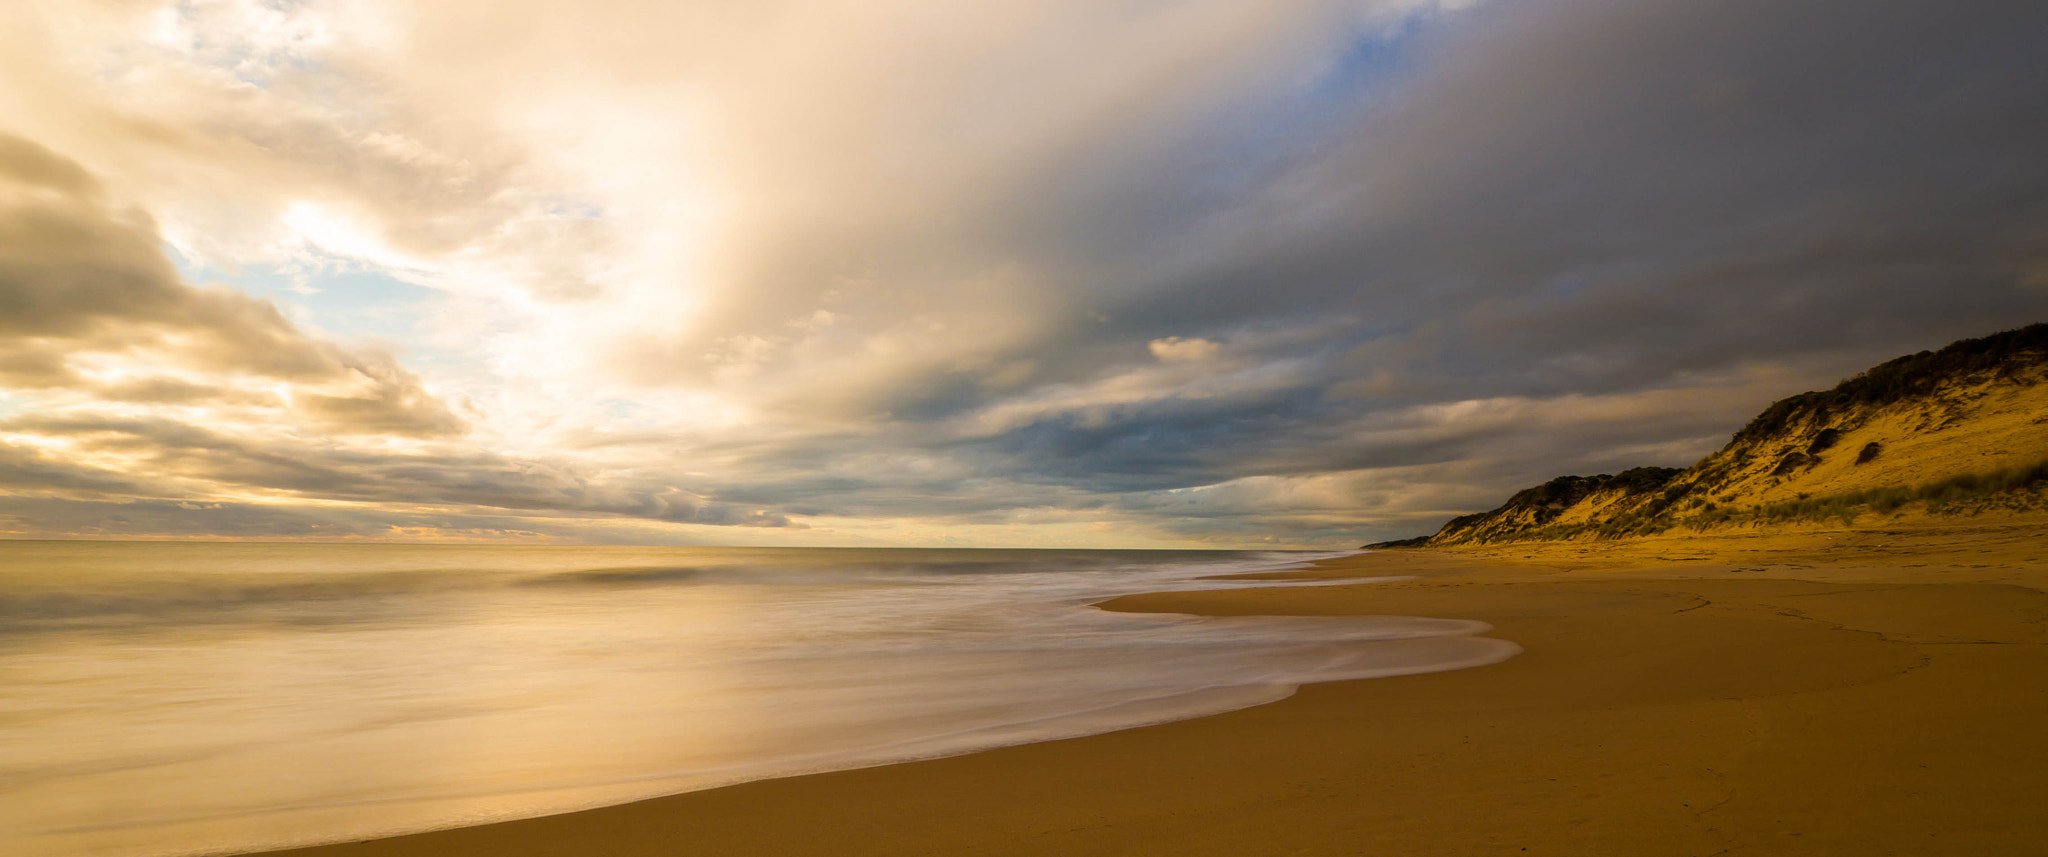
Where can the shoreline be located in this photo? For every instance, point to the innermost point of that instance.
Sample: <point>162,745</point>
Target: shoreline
<point>1813,697</point>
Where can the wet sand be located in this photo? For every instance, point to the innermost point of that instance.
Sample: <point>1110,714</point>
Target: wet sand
<point>1811,694</point>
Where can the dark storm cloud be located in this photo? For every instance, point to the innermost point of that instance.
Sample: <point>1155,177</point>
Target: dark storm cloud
<point>1583,234</point>
<point>1586,198</point>
<point>1245,470</point>
<point>1592,195</point>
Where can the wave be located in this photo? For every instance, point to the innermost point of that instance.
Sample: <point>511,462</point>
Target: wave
<point>596,677</point>
<point>89,597</point>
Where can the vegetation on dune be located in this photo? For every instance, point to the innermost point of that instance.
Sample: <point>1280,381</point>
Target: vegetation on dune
<point>1538,507</point>
<point>2022,487</point>
<point>1953,494</point>
<point>1933,403</point>
<point>1908,377</point>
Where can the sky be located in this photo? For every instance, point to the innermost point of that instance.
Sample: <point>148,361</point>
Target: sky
<point>1034,273</point>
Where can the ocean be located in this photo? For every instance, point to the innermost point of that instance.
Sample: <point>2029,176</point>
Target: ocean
<point>188,698</point>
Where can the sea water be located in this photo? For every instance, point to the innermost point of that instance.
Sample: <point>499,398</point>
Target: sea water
<point>178,698</point>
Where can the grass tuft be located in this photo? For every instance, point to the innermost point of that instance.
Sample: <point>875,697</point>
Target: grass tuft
<point>1940,496</point>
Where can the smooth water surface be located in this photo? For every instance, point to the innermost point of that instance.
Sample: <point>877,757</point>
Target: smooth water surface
<point>166,698</point>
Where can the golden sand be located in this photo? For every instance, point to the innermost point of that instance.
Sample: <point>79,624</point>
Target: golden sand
<point>1819,693</point>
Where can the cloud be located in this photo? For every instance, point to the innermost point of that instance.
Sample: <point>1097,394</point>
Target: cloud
<point>182,457</point>
<point>874,264</point>
<point>1173,349</point>
<point>384,399</point>
<point>166,390</point>
<point>24,466</point>
<point>91,317</point>
<point>87,296</point>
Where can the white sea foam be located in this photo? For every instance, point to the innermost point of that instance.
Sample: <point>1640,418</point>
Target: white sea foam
<point>184,699</point>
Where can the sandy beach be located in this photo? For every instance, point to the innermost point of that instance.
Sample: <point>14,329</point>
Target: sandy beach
<point>1867,692</point>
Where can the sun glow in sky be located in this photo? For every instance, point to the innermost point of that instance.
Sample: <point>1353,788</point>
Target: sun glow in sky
<point>1201,273</point>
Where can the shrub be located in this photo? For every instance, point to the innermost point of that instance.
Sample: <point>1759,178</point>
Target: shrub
<point>1792,462</point>
<point>1940,495</point>
<point>1912,376</point>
